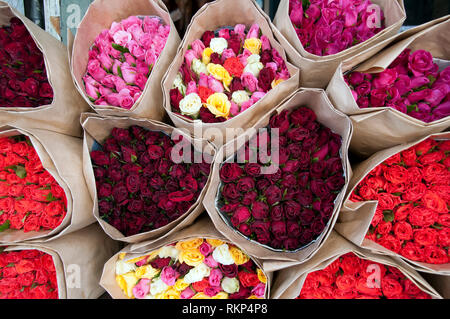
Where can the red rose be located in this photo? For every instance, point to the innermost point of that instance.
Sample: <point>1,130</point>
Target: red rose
<point>207,37</point>
<point>424,146</point>
<point>434,172</point>
<point>409,157</point>
<point>425,237</point>
<point>105,190</point>
<point>265,79</point>
<point>434,202</point>
<point>245,229</point>
<point>99,158</point>
<point>181,196</point>
<point>431,158</point>
<point>230,172</point>
<point>235,44</point>
<point>387,201</point>
<point>435,255</point>
<point>204,93</point>
<point>278,229</point>
<point>391,287</point>
<point>403,231</point>
<point>384,228</point>
<point>200,286</point>
<point>414,192</point>
<point>241,215</point>
<point>422,217</point>
<point>248,279</point>
<point>390,242</point>
<point>396,174</point>
<point>260,210</point>
<point>234,66</point>
<point>175,98</point>
<point>345,282</point>
<point>280,121</point>
<point>155,152</point>
<point>412,251</point>
<point>230,192</point>
<point>245,184</point>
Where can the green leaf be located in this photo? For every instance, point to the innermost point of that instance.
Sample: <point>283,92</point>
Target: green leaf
<point>388,216</point>
<point>34,285</point>
<point>10,265</point>
<point>19,170</point>
<point>25,217</point>
<point>306,4</point>
<point>120,48</point>
<point>50,197</point>
<point>437,226</point>
<point>315,159</point>
<point>5,226</point>
<point>119,71</point>
<point>37,71</point>
<point>412,108</point>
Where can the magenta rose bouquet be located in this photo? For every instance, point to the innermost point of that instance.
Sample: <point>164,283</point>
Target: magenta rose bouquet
<point>122,58</point>
<point>290,208</point>
<point>413,84</point>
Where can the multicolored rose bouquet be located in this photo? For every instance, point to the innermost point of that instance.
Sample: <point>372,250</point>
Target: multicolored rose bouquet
<point>30,198</point>
<point>412,188</point>
<point>226,72</point>
<point>23,79</point>
<point>327,27</point>
<point>122,58</point>
<point>412,84</point>
<point>200,268</point>
<point>351,277</point>
<point>139,185</point>
<point>27,274</point>
<point>290,208</point>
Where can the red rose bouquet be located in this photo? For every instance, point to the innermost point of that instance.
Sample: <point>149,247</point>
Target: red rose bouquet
<point>23,79</point>
<point>290,208</point>
<point>30,198</point>
<point>412,190</point>
<point>351,277</point>
<point>27,274</point>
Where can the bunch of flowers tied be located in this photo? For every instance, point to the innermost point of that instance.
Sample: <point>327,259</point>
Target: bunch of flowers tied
<point>122,59</point>
<point>349,277</point>
<point>412,84</point>
<point>30,198</point>
<point>291,207</point>
<point>326,27</point>
<point>139,187</point>
<point>27,274</point>
<point>225,75</point>
<point>23,79</point>
<point>412,189</point>
<point>193,269</point>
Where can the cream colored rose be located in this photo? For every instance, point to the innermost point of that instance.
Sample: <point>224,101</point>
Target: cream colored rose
<point>218,45</point>
<point>230,285</point>
<point>254,58</point>
<point>123,267</point>
<point>199,67</point>
<point>222,255</point>
<point>197,273</point>
<point>157,286</point>
<point>254,66</point>
<point>169,251</point>
<point>190,105</point>
<point>240,97</point>
<point>178,84</point>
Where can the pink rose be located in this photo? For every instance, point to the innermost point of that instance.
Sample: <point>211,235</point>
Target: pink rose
<point>224,33</point>
<point>296,12</point>
<point>378,97</point>
<point>234,109</point>
<point>227,53</point>
<point>418,81</point>
<point>150,57</point>
<point>115,68</point>
<point>203,80</point>
<point>437,95</point>
<point>215,277</point>
<point>140,80</point>
<point>249,81</point>
<point>128,73</point>
<point>215,85</point>
<point>122,38</point>
<point>257,96</point>
<point>253,32</point>
<point>419,95</point>
<point>141,289</point>
<point>385,79</point>
<point>169,276</point>
<point>119,83</point>
<point>205,249</point>
<point>420,62</point>
<point>259,290</point>
<point>151,24</point>
<point>191,88</point>
<point>91,90</point>
<point>136,50</point>
<point>403,84</point>
<point>95,70</point>
<point>210,262</point>
<point>265,43</point>
<point>129,58</point>
<point>105,60</point>
<point>130,21</point>
<point>104,91</point>
<point>115,27</point>
<point>244,56</point>
<point>189,56</point>
<point>187,293</point>
<point>246,105</point>
<point>136,31</point>
<point>113,99</point>
<point>125,99</point>
<point>198,47</point>
<point>239,29</point>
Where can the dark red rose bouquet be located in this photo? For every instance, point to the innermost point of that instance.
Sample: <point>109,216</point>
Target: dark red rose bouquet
<point>23,79</point>
<point>290,208</point>
<point>412,189</point>
<point>139,186</point>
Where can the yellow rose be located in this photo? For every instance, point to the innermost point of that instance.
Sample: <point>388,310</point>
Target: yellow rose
<point>200,295</point>
<point>276,82</point>
<point>219,105</point>
<point>206,55</point>
<point>253,297</point>
<point>135,260</point>
<point>127,282</point>
<point>189,244</point>
<point>253,45</point>
<point>192,257</point>
<point>220,73</point>
<point>170,294</point>
<point>147,272</point>
<point>180,285</point>
<point>122,256</point>
<point>261,276</point>
<point>238,255</point>
<point>221,295</point>
<point>214,242</point>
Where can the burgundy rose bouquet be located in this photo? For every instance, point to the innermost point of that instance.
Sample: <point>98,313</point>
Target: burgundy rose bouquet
<point>23,80</point>
<point>139,186</point>
<point>291,207</point>
<point>412,84</point>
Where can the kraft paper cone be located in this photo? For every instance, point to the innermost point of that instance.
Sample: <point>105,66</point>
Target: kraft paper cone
<point>61,157</point>
<point>316,100</point>
<point>99,16</point>
<point>62,114</point>
<point>355,217</point>
<point>214,15</point>
<point>98,128</point>
<point>288,283</point>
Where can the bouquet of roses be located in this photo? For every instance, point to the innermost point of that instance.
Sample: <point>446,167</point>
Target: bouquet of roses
<point>27,274</point>
<point>122,58</point>
<point>327,27</point>
<point>139,185</point>
<point>226,72</point>
<point>200,268</point>
<point>291,207</point>
<point>351,277</point>
<point>23,79</point>
<point>412,187</point>
<point>30,198</point>
<point>412,84</point>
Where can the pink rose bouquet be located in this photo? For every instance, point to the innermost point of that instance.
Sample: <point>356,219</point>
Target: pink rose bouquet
<point>121,60</point>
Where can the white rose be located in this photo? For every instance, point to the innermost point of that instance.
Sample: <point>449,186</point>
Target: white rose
<point>158,286</point>
<point>178,84</point>
<point>218,45</point>
<point>169,251</point>
<point>240,97</point>
<point>230,285</point>
<point>191,104</point>
<point>254,68</point>
<point>197,273</point>
<point>254,58</point>
<point>199,67</point>
<point>149,297</point>
<point>222,255</point>
<point>122,267</point>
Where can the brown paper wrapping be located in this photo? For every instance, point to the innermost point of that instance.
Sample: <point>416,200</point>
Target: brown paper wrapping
<point>316,71</point>
<point>62,114</point>
<point>203,228</point>
<point>99,16</point>
<point>355,217</point>
<point>212,16</point>
<point>78,266</point>
<point>380,128</point>
<point>97,128</point>
<point>61,156</point>
<point>288,282</point>
<point>327,115</point>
